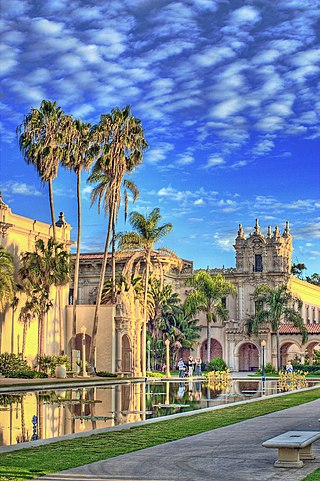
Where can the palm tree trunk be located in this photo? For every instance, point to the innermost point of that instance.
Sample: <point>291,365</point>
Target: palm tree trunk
<point>53,219</point>
<point>113,264</point>
<point>61,321</point>
<point>41,334</point>
<point>100,288</point>
<point>208,342</point>
<point>278,351</point>
<point>144,327</point>
<point>24,337</point>
<point>76,268</point>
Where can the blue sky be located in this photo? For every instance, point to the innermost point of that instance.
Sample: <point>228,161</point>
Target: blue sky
<point>228,93</point>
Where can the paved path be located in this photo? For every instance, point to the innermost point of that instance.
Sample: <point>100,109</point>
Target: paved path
<point>232,453</point>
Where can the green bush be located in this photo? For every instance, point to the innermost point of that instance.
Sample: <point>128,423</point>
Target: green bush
<point>311,368</point>
<point>48,363</point>
<point>155,374</point>
<point>270,369</point>
<point>106,374</point>
<point>27,374</point>
<point>217,364</point>
<point>12,362</point>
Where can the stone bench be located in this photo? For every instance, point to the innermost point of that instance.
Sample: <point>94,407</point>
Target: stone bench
<point>293,446</point>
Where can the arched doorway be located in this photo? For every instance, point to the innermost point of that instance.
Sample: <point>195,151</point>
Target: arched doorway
<point>79,338</point>
<point>310,356</point>
<point>248,357</point>
<point>126,354</point>
<point>289,351</point>
<point>215,350</point>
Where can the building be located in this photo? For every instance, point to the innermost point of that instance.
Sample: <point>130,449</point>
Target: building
<point>261,259</point>
<point>18,234</point>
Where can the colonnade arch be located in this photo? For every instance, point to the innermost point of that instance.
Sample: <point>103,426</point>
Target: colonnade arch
<point>215,349</point>
<point>247,354</point>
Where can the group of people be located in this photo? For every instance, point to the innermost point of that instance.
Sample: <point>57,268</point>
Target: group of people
<point>191,366</point>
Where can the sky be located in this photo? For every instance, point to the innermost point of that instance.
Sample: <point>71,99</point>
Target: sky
<point>228,95</point>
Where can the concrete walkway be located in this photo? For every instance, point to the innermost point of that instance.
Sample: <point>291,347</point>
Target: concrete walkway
<point>232,453</point>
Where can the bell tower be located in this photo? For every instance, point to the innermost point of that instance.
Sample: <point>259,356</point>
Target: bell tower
<point>263,254</point>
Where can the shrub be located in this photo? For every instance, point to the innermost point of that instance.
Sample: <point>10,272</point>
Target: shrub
<point>105,374</point>
<point>12,362</point>
<point>155,374</point>
<point>48,363</point>
<point>217,364</point>
<point>270,369</point>
<point>27,374</point>
<point>306,367</point>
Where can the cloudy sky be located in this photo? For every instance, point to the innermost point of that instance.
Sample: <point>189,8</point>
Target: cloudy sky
<point>228,93</point>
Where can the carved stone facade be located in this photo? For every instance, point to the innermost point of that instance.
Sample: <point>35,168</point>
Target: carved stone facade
<point>260,259</point>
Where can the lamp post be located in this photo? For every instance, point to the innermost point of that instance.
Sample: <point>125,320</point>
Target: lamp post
<point>148,348</point>
<point>263,345</point>
<point>167,343</point>
<point>84,370</point>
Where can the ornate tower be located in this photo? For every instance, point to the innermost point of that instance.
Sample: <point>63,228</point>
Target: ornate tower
<point>257,253</point>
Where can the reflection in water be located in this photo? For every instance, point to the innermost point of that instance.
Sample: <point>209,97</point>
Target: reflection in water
<point>47,414</point>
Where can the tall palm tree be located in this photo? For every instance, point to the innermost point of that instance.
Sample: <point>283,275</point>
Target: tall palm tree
<point>42,140</point>
<point>27,313</point>
<point>121,142</point>
<point>141,242</point>
<point>7,283</point>
<point>79,156</point>
<point>208,292</point>
<point>276,305</point>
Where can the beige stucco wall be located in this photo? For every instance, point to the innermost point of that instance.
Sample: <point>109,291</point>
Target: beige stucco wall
<point>20,237</point>
<point>105,335</point>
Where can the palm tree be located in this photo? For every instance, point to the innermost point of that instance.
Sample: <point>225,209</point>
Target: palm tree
<point>141,242</point>
<point>79,157</point>
<point>207,295</point>
<point>121,143</point>
<point>48,265</point>
<point>42,140</point>
<point>7,283</point>
<point>27,313</point>
<point>276,305</point>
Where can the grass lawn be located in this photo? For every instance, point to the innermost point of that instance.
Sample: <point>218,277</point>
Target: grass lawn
<point>31,463</point>
<point>315,476</point>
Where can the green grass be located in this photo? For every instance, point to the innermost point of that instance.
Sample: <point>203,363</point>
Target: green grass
<point>315,476</point>
<point>31,463</point>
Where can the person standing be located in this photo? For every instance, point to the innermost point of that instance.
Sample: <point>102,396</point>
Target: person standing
<point>198,363</point>
<point>181,367</point>
<point>190,366</point>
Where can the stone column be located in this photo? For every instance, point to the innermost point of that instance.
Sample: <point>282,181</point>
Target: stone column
<point>118,348</point>
<point>240,303</point>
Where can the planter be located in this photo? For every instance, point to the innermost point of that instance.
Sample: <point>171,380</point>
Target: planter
<point>60,371</point>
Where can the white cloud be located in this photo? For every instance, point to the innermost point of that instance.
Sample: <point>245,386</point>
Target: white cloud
<point>20,188</point>
<point>246,14</point>
<point>199,202</point>
<point>215,161</point>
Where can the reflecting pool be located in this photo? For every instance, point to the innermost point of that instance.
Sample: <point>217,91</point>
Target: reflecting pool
<point>27,416</point>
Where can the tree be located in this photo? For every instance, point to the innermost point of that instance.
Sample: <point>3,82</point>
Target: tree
<point>277,305</point>
<point>7,282</point>
<point>207,296</point>
<point>48,265</point>
<point>141,242</point>
<point>27,313</point>
<point>79,157</point>
<point>42,140</point>
<point>313,279</point>
<point>121,143</point>
<point>297,270</point>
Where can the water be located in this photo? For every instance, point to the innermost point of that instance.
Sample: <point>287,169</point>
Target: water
<point>28,416</point>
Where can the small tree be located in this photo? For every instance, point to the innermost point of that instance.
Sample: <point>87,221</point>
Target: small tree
<point>208,292</point>
<point>277,305</point>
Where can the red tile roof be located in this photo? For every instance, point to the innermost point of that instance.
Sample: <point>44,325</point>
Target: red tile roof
<point>290,329</point>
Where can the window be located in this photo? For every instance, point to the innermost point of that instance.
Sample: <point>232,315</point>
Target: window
<point>224,302</point>
<point>70,296</point>
<point>258,263</point>
<point>307,315</point>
